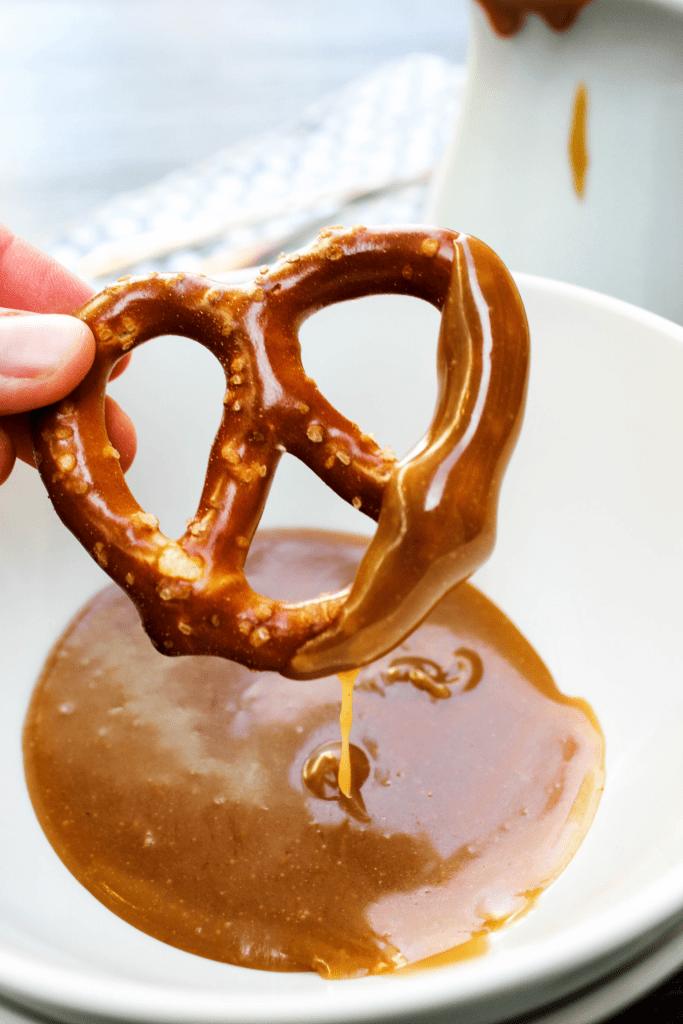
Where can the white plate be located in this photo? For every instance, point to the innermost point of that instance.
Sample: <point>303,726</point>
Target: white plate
<point>622,989</point>
<point>588,564</point>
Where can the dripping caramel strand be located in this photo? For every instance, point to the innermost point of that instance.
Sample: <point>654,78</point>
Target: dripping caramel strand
<point>347,679</point>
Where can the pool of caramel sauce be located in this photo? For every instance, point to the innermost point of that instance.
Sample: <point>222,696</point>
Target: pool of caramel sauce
<point>199,801</point>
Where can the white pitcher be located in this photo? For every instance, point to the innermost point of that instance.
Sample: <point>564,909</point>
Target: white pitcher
<point>508,177</point>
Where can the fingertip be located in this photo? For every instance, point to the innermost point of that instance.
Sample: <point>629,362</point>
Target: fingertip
<point>121,432</point>
<point>79,360</point>
<point>42,358</point>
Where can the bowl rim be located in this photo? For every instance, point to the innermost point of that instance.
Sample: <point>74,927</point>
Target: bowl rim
<point>28,980</point>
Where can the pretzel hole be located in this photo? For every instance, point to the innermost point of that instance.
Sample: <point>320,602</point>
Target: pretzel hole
<point>374,359</point>
<point>284,565</point>
<point>300,498</point>
<point>173,391</point>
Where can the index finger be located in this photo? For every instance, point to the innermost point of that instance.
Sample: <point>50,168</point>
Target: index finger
<point>30,280</point>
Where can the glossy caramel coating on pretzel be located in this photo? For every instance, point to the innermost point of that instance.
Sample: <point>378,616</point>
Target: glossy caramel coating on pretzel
<point>435,509</point>
<point>507,17</point>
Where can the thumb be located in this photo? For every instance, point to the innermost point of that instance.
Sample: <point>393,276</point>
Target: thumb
<point>42,358</point>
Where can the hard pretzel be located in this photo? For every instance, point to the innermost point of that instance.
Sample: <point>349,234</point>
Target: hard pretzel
<point>435,509</point>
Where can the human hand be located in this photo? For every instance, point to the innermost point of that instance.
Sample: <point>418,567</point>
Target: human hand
<point>44,352</point>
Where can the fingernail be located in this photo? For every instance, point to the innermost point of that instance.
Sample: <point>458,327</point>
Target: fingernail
<point>35,346</point>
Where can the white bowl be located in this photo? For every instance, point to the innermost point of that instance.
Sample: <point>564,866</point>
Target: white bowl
<point>589,564</point>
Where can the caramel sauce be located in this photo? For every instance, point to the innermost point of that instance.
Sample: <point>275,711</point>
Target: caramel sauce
<point>476,946</point>
<point>507,17</point>
<point>201,801</point>
<point>578,139</point>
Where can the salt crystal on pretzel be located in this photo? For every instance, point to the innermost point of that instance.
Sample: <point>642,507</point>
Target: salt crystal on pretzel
<point>436,508</point>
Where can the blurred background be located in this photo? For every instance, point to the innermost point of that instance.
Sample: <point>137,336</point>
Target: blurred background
<point>102,96</point>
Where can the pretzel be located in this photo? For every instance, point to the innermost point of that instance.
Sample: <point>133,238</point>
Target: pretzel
<point>436,508</point>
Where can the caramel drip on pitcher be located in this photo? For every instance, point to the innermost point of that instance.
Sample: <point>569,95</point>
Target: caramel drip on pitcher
<point>507,17</point>
<point>578,139</point>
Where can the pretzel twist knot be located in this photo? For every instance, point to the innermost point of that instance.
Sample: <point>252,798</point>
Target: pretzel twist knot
<point>435,509</point>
